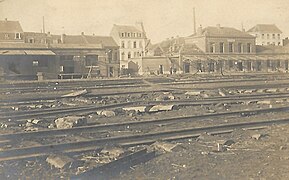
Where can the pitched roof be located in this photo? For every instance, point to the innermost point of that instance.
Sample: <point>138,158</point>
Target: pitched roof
<point>224,32</point>
<point>106,41</point>
<point>272,49</point>
<point>126,28</point>
<point>10,26</point>
<point>265,28</point>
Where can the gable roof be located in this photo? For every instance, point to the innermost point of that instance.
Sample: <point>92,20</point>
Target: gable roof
<point>265,28</point>
<point>223,32</point>
<point>10,26</point>
<point>106,41</point>
<point>126,28</point>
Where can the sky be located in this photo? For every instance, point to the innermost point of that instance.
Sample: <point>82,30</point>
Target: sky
<point>162,18</point>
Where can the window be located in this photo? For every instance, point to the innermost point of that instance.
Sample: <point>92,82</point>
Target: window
<point>240,47</point>
<point>128,34</point>
<point>115,56</point>
<point>91,60</point>
<point>134,44</point>
<point>279,36</point>
<point>109,55</point>
<point>67,57</point>
<point>221,47</point>
<point>122,55</point>
<point>122,34</point>
<point>249,47</point>
<point>212,47</point>
<point>6,36</point>
<point>263,36</point>
<point>273,36</point>
<point>31,40</point>
<point>35,63</point>
<point>17,36</point>
<point>268,43</point>
<point>129,55</point>
<point>279,43</point>
<point>122,44</point>
<point>268,36</point>
<point>140,44</point>
<point>231,47</point>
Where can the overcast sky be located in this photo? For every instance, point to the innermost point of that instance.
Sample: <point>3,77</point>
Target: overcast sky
<point>162,18</point>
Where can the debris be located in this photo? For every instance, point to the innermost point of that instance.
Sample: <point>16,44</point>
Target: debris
<point>70,122</point>
<point>211,111</point>
<point>59,161</point>
<point>221,93</point>
<point>193,93</point>
<point>157,108</point>
<point>140,109</point>
<point>257,136</point>
<point>168,147</point>
<point>165,96</point>
<point>205,95</point>
<point>265,102</point>
<point>50,126</point>
<point>77,93</point>
<point>106,113</point>
<point>31,128</point>
<point>112,152</point>
<point>249,91</point>
<point>272,90</point>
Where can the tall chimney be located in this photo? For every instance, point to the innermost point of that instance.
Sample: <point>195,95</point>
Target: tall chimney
<point>6,19</point>
<point>62,38</point>
<point>82,33</point>
<point>43,23</point>
<point>194,14</point>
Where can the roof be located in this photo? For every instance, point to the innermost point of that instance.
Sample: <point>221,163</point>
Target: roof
<point>126,28</point>
<point>106,41</point>
<point>272,49</point>
<point>174,45</point>
<point>10,26</point>
<point>224,32</point>
<point>265,28</point>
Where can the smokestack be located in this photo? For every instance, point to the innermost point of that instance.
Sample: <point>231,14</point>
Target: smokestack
<point>194,14</point>
<point>43,24</point>
<point>6,19</point>
<point>62,38</point>
<point>82,33</point>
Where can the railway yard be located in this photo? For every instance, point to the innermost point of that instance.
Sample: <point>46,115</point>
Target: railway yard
<point>170,127</point>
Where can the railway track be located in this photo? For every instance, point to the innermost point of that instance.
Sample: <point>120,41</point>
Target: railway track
<point>17,115</point>
<point>130,140</point>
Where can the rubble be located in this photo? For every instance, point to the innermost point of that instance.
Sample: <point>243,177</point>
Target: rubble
<point>272,90</point>
<point>257,136</point>
<point>158,108</point>
<point>165,146</point>
<point>112,152</point>
<point>193,93</point>
<point>141,109</point>
<point>106,113</point>
<point>75,94</point>
<point>165,96</point>
<point>264,102</point>
<point>59,161</point>
<point>221,93</point>
<point>70,122</point>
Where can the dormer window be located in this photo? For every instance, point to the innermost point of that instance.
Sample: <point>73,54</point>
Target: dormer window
<point>17,36</point>
<point>6,36</point>
<point>31,40</point>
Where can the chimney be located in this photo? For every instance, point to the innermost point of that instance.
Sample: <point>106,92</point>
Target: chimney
<point>62,38</point>
<point>218,26</point>
<point>200,31</point>
<point>6,19</point>
<point>82,33</point>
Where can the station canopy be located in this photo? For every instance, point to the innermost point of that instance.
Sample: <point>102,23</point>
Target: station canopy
<point>27,52</point>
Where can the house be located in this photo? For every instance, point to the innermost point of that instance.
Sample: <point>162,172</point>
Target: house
<point>11,31</point>
<point>267,34</point>
<point>132,42</point>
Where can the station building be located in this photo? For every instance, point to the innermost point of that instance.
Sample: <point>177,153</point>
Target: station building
<point>30,55</point>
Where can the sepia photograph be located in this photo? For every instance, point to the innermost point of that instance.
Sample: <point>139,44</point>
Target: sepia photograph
<point>144,89</point>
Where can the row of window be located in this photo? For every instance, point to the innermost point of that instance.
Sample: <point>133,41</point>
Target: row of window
<point>231,49</point>
<point>272,43</point>
<point>131,45</point>
<point>129,34</point>
<point>130,55</point>
<point>17,36</point>
<point>268,36</point>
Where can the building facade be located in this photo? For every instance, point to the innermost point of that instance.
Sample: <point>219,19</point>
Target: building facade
<point>132,42</point>
<point>267,34</point>
<point>11,31</point>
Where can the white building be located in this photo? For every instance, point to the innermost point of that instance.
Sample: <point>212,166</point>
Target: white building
<point>267,34</point>
<point>132,42</point>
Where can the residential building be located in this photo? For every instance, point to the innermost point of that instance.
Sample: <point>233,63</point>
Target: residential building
<point>267,34</point>
<point>132,42</point>
<point>11,31</point>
